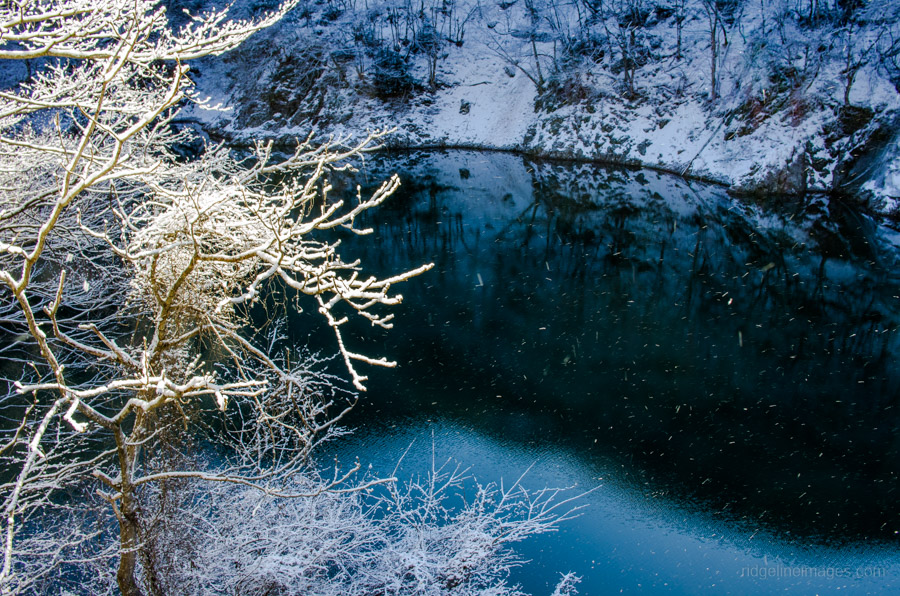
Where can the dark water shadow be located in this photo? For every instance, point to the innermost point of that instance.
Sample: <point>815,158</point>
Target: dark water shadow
<point>728,369</point>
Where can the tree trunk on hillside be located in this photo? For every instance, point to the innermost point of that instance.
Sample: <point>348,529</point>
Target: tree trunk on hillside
<point>715,24</point>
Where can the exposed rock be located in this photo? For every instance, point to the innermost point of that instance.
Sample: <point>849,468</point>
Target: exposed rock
<point>791,179</point>
<point>867,168</point>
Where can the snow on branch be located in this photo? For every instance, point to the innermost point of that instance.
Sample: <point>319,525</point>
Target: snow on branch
<point>128,271</point>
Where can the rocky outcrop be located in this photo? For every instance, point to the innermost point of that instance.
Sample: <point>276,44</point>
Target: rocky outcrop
<point>869,170</point>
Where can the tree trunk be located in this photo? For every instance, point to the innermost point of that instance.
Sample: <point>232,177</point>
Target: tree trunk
<point>631,63</point>
<point>714,58</point>
<point>850,69</point>
<point>762,12</point>
<point>128,450</point>
<point>129,543</point>
<point>851,76</point>
<point>537,65</point>
<point>678,21</point>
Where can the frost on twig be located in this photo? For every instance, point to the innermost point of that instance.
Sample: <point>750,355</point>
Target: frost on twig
<point>222,236</point>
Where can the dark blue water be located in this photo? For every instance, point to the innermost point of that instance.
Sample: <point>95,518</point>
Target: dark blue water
<point>725,373</point>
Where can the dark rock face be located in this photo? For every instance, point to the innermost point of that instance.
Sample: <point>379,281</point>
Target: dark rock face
<point>791,179</point>
<point>859,145</point>
<point>287,93</point>
<point>868,156</point>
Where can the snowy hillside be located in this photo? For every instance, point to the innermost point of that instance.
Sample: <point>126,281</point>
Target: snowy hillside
<point>766,97</point>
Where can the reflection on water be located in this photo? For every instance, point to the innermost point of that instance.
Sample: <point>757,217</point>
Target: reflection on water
<point>728,370</point>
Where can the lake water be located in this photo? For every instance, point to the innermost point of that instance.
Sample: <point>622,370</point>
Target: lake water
<point>724,373</point>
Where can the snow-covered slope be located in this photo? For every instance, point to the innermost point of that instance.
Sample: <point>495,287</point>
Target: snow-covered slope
<point>510,76</point>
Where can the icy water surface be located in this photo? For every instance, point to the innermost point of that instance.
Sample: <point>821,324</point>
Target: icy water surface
<point>724,372</point>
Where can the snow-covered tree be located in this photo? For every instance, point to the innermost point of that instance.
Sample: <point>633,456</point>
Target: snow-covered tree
<point>167,254</point>
<point>152,415</point>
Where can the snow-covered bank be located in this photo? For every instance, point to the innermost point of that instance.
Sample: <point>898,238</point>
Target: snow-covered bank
<point>798,104</point>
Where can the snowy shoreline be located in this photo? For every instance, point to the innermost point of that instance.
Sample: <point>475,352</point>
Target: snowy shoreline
<point>392,144</point>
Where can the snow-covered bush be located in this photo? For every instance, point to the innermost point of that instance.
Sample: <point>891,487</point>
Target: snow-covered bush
<point>391,76</point>
<point>416,538</point>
